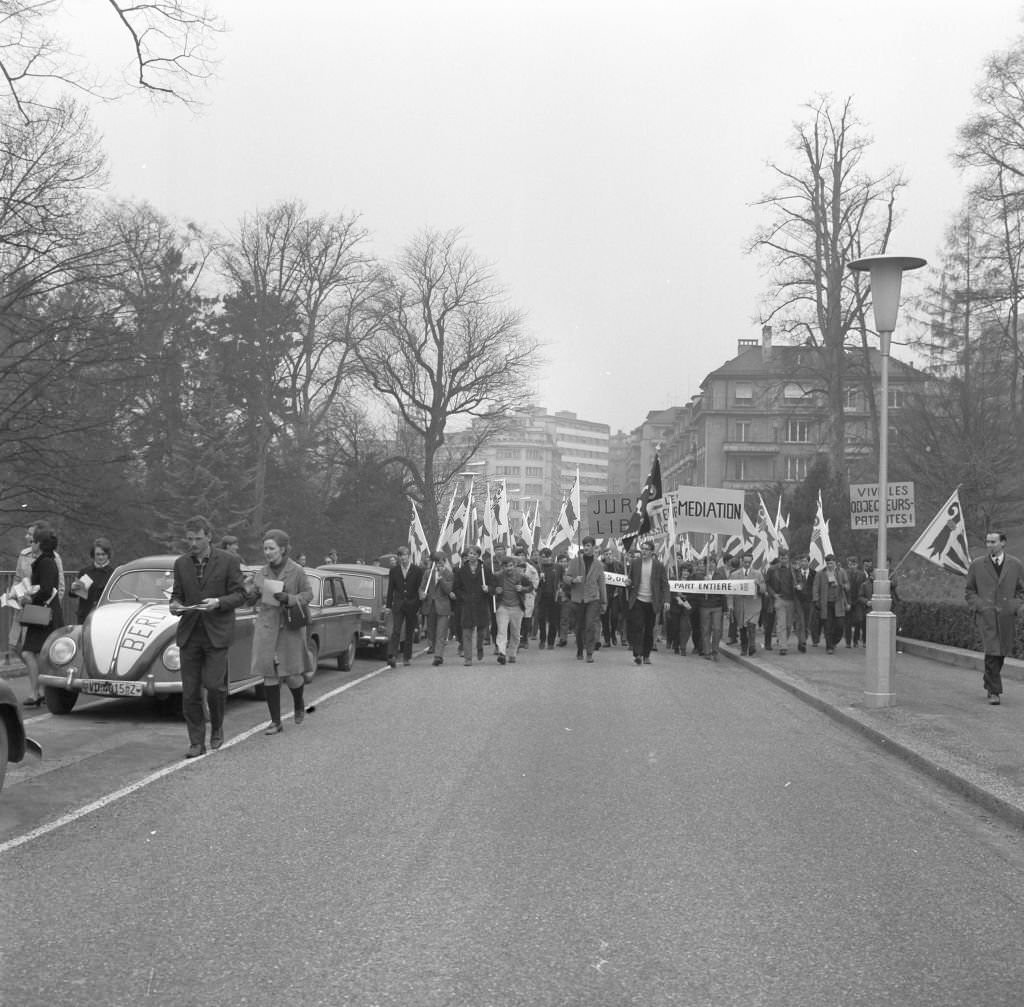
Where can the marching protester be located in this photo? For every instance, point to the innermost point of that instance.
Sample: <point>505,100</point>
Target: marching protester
<point>530,599</point>
<point>437,594</point>
<point>995,593</point>
<point>803,579</point>
<point>712,606</point>
<point>280,643</point>
<point>473,587</point>
<point>565,611</point>
<point>853,631</point>
<point>780,583</point>
<point>403,602</point>
<point>747,607</point>
<point>648,598</point>
<point>510,589</point>
<point>584,577</point>
<point>208,587</point>
<point>546,604</point>
<point>831,587</point>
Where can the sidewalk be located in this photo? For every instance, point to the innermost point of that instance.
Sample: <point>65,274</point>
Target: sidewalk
<point>941,722</point>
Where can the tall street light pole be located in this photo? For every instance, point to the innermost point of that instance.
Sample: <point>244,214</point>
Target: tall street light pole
<point>886,279</point>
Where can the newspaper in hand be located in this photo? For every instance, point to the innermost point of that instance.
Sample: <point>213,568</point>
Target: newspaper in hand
<point>81,586</point>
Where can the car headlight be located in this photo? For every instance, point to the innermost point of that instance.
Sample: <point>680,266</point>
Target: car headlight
<point>63,650</point>
<point>172,658</point>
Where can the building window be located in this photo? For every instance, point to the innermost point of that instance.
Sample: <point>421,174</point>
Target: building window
<point>534,455</point>
<point>851,399</point>
<point>507,470</point>
<point>533,489</point>
<point>798,432</point>
<point>740,469</point>
<point>796,468</point>
<point>895,398</point>
<point>743,430</point>
<point>536,473</point>
<point>507,453</point>
<point>743,391</point>
<point>793,391</point>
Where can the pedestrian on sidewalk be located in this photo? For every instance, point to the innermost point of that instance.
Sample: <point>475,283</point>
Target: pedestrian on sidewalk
<point>995,593</point>
<point>803,581</point>
<point>854,631</point>
<point>208,587</point>
<point>280,641</point>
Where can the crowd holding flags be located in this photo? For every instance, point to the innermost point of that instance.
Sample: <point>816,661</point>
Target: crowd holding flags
<point>943,542</point>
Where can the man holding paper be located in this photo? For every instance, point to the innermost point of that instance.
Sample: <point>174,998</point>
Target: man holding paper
<point>208,587</point>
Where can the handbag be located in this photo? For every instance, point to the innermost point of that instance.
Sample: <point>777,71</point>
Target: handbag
<point>36,615</point>
<point>296,616</point>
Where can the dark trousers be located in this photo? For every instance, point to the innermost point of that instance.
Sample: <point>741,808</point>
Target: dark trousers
<point>546,614</point>
<point>994,673</point>
<point>586,620</point>
<point>641,628</point>
<point>203,666</point>
<point>833,626</point>
<point>405,619</point>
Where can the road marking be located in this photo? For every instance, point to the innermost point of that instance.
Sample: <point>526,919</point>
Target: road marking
<point>102,802</point>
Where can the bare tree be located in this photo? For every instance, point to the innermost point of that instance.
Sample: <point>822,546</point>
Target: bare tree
<point>168,43</point>
<point>826,210</point>
<point>446,347</point>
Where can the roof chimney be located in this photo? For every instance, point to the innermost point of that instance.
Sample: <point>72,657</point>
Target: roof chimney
<point>766,340</point>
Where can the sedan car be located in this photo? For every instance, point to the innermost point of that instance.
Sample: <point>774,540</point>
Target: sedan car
<point>127,645</point>
<point>15,745</point>
<point>367,586</point>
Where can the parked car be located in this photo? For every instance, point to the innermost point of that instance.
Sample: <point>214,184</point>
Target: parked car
<point>367,586</point>
<point>15,745</point>
<point>126,647</point>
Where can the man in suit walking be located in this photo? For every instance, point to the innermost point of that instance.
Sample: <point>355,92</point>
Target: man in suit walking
<point>208,587</point>
<point>403,601</point>
<point>995,593</point>
<point>648,597</point>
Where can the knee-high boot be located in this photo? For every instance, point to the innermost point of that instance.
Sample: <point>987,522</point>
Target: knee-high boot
<point>300,704</point>
<point>273,694</point>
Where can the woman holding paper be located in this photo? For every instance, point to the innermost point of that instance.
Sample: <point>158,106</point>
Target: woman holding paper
<point>91,580</point>
<point>280,652</point>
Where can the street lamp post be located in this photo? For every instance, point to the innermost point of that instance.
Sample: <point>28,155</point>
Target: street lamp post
<point>886,279</point>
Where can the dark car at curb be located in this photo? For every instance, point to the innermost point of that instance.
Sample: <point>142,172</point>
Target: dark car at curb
<point>367,588</point>
<point>15,744</point>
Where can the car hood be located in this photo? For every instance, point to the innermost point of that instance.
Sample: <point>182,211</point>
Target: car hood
<point>122,638</point>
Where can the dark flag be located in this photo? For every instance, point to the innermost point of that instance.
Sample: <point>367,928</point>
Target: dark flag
<point>640,521</point>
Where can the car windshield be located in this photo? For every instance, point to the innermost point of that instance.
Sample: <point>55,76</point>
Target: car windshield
<point>360,588</point>
<point>141,585</point>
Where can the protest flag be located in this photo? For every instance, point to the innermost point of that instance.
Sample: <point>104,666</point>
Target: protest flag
<point>944,541</point>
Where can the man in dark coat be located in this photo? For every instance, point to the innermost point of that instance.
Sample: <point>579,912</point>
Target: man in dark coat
<point>648,598</point>
<point>403,602</point>
<point>208,587</point>
<point>474,589</point>
<point>995,593</point>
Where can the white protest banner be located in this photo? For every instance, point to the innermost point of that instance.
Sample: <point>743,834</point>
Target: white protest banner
<point>900,510</point>
<point>740,585</point>
<point>708,509</point>
<point>608,514</point>
<point>616,579</point>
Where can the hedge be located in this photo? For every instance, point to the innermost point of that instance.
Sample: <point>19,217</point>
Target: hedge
<point>946,623</point>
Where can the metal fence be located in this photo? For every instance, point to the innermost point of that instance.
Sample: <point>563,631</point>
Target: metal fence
<point>70,605</point>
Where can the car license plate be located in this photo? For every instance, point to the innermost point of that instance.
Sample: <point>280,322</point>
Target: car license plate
<point>96,687</point>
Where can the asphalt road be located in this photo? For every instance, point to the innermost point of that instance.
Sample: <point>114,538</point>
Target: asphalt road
<point>549,833</point>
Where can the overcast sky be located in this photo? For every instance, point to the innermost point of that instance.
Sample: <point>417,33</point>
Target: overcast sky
<point>604,157</point>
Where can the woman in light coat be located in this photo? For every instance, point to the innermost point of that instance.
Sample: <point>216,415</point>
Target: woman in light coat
<point>277,651</point>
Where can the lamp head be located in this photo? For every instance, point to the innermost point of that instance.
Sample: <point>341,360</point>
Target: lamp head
<point>886,279</point>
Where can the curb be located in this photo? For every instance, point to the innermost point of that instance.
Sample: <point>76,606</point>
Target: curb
<point>1010,812</point>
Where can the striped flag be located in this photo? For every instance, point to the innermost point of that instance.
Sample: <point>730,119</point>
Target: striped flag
<point>418,545</point>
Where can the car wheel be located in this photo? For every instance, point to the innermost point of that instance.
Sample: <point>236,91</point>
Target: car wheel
<point>60,701</point>
<point>4,742</point>
<point>346,659</point>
